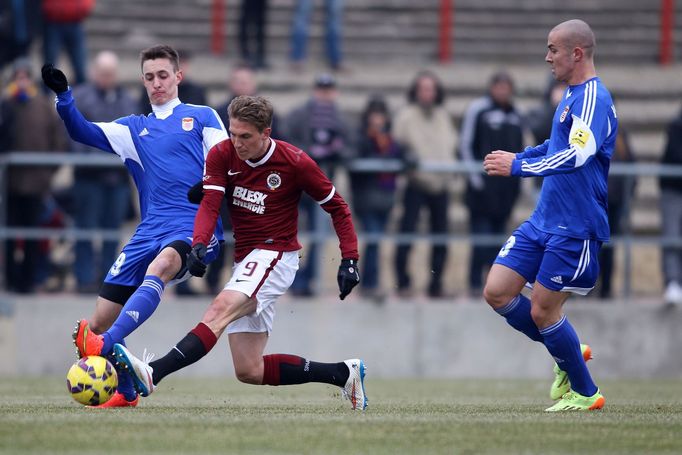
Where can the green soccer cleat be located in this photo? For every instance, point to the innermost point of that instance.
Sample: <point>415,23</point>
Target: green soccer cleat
<point>573,401</point>
<point>561,385</point>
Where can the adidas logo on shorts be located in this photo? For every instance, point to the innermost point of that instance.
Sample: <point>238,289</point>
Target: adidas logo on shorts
<point>557,279</point>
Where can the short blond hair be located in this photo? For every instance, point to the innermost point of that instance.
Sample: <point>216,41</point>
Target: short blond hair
<point>255,110</point>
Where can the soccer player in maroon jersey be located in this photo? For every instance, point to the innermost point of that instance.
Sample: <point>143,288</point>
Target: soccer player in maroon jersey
<point>263,179</point>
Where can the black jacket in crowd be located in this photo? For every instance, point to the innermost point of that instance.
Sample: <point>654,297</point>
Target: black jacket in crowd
<point>487,127</point>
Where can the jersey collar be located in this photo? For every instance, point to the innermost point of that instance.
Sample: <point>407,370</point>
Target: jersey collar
<point>266,157</point>
<point>165,110</point>
<point>595,78</point>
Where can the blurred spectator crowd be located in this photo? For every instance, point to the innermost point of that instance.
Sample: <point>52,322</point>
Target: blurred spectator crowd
<point>410,201</point>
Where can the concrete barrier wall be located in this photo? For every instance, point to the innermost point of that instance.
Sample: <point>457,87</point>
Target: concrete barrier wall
<point>436,340</point>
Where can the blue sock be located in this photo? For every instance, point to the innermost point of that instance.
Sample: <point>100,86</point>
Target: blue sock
<point>139,307</point>
<point>517,314</point>
<point>125,382</point>
<point>562,342</point>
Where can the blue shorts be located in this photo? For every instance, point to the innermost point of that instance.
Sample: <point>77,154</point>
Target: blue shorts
<point>558,263</point>
<point>131,265</point>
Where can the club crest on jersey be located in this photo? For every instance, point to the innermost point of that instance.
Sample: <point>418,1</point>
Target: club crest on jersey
<point>274,181</point>
<point>564,114</point>
<point>187,123</point>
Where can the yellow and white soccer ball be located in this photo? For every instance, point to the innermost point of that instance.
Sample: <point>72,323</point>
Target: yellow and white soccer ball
<point>92,380</point>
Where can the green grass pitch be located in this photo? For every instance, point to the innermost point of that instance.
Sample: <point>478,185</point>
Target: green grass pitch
<point>197,416</point>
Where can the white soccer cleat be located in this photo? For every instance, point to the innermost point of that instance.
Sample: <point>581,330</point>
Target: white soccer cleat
<point>354,390</point>
<point>139,370</point>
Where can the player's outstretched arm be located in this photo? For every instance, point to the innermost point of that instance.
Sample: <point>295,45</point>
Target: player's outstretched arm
<point>320,188</point>
<point>585,138</point>
<point>210,192</point>
<point>79,129</point>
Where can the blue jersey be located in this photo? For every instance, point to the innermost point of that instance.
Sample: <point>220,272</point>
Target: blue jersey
<point>164,152</point>
<point>575,163</point>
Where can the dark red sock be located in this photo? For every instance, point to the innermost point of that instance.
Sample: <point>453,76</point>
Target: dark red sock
<point>194,346</point>
<point>271,370</point>
<point>285,369</point>
<point>206,335</point>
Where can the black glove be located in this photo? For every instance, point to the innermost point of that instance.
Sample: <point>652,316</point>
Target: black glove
<point>196,193</point>
<point>54,79</point>
<point>348,276</point>
<point>195,260</point>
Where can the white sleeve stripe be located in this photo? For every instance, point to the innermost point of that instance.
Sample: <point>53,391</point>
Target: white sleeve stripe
<point>217,117</point>
<point>548,160</point>
<point>589,102</point>
<point>214,187</point>
<point>586,101</point>
<point>582,112</point>
<point>590,110</point>
<point>211,137</point>
<point>594,101</point>
<point>549,163</point>
<point>608,121</point>
<point>552,166</point>
<point>587,96</point>
<point>331,194</point>
<point>121,140</point>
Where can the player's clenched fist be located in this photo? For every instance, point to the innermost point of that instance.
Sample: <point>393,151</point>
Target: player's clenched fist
<point>54,79</point>
<point>348,277</point>
<point>195,260</point>
<point>499,163</point>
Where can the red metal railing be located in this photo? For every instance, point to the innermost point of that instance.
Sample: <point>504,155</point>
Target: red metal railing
<point>217,26</point>
<point>445,31</point>
<point>667,23</point>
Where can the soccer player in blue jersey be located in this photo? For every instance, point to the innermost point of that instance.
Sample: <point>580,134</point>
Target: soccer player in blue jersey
<point>165,154</point>
<point>556,249</point>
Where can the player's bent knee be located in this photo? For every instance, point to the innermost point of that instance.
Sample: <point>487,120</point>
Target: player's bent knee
<point>221,305</point>
<point>249,375</point>
<point>543,316</point>
<point>165,267</point>
<point>219,314</point>
<point>495,297</point>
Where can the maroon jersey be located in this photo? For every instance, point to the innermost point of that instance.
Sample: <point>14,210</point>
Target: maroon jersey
<point>263,199</point>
